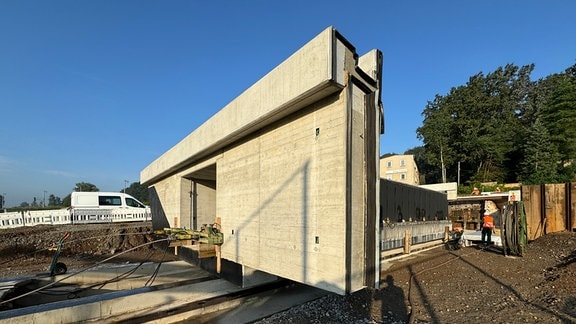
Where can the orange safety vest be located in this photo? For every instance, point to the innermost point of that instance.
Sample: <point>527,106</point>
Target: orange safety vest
<point>488,222</point>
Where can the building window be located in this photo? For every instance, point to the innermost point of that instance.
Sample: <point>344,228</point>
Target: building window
<point>389,164</point>
<point>403,176</point>
<point>402,163</point>
<point>388,177</point>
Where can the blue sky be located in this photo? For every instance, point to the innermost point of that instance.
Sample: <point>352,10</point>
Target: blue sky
<point>94,91</point>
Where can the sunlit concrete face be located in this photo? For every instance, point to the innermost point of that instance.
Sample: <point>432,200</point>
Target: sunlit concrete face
<point>290,167</point>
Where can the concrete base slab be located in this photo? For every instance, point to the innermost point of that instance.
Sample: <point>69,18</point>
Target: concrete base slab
<point>114,306</point>
<point>387,263</point>
<point>262,305</point>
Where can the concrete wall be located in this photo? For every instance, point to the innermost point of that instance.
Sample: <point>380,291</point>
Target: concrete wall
<point>406,203</point>
<point>450,188</point>
<point>289,167</point>
<point>205,205</point>
<point>167,199</point>
<point>283,192</point>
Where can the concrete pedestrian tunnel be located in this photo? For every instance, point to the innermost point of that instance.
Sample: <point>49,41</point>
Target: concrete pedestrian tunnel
<point>291,169</point>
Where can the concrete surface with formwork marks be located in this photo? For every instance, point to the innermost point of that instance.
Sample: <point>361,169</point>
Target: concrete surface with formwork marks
<point>291,168</point>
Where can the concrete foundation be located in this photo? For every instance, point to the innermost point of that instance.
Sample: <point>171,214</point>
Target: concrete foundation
<point>118,300</point>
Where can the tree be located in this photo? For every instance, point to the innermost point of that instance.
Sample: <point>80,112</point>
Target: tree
<point>560,117</point>
<point>383,156</point>
<point>435,133</point>
<point>85,186</point>
<point>428,173</point>
<point>82,187</point>
<point>54,201</point>
<point>138,191</point>
<point>34,203</point>
<point>477,125</point>
<point>555,98</point>
<point>541,157</point>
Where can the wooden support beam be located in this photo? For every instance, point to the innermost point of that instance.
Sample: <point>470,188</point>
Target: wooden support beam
<point>180,243</point>
<point>407,240</point>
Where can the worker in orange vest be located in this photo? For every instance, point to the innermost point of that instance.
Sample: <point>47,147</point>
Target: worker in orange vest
<point>487,228</point>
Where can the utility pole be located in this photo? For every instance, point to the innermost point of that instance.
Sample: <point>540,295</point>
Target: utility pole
<point>125,185</point>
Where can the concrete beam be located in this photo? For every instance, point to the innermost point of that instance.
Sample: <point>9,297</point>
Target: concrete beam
<point>312,72</point>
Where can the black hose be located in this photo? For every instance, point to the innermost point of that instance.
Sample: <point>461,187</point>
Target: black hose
<point>512,242</point>
<point>76,273</point>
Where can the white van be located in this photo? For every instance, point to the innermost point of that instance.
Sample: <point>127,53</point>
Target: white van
<point>99,206</point>
<point>106,200</point>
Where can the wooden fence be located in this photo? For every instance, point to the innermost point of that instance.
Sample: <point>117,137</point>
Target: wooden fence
<point>549,208</point>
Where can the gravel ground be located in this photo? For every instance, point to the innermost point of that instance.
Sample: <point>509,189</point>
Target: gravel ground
<point>469,285</point>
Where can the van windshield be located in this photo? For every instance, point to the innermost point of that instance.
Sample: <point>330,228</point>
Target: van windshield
<point>134,203</point>
<point>109,201</point>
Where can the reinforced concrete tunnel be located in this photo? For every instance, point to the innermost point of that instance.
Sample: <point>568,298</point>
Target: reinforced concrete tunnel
<point>291,169</point>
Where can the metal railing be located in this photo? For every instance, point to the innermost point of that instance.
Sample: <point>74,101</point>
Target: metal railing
<point>402,238</point>
<point>73,216</point>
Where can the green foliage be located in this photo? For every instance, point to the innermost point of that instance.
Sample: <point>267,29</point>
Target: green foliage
<point>467,189</point>
<point>81,187</point>
<point>54,201</point>
<point>139,192</point>
<point>85,186</point>
<point>67,201</point>
<point>560,117</point>
<point>541,158</point>
<point>387,155</point>
<point>428,173</point>
<point>502,127</point>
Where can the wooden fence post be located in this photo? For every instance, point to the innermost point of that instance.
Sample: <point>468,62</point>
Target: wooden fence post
<point>407,240</point>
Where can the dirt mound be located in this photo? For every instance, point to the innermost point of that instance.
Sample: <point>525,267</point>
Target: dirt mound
<point>29,250</point>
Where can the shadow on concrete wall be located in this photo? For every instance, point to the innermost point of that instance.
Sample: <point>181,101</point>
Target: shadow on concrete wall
<point>303,174</point>
<point>159,219</point>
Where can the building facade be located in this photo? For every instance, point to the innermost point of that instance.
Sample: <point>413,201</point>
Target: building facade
<point>400,168</point>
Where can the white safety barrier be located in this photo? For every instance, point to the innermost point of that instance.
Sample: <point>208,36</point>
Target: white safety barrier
<point>393,235</point>
<point>73,216</point>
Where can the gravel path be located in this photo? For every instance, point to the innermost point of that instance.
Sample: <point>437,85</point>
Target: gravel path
<point>470,285</point>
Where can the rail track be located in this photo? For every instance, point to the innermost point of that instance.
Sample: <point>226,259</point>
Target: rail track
<point>208,309</point>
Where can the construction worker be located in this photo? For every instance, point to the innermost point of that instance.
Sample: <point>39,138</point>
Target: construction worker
<point>487,228</point>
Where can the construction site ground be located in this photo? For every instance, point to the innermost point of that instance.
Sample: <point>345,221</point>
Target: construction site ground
<point>472,284</point>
